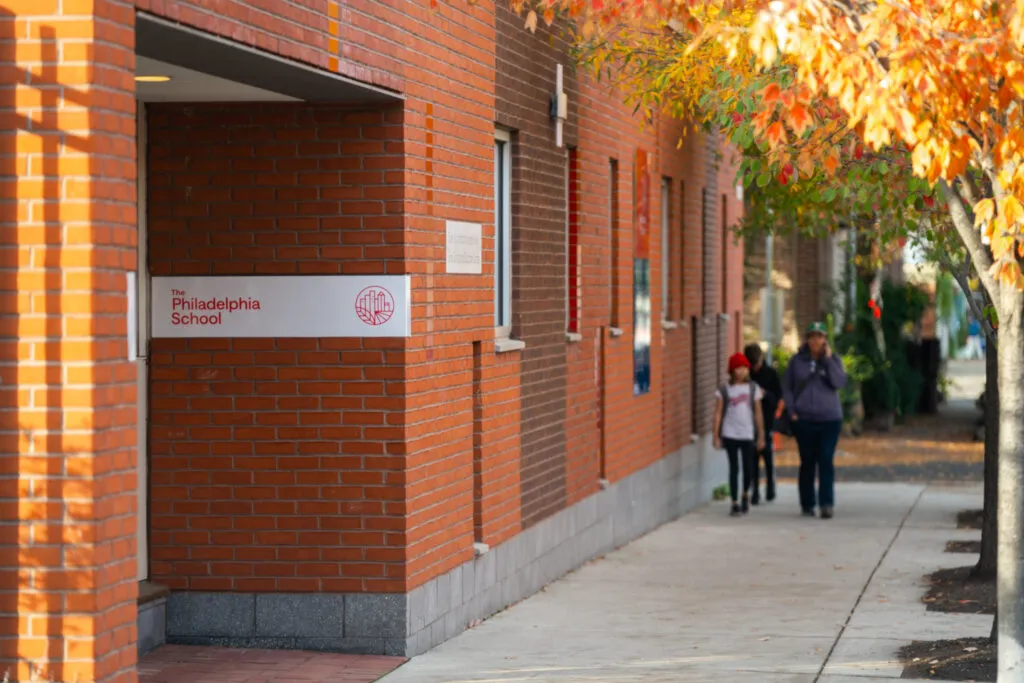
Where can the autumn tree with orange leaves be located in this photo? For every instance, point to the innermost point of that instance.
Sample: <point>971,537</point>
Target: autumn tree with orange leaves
<point>938,82</point>
<point>875,191</point>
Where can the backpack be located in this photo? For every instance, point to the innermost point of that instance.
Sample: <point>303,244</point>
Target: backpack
<point>723,391</point>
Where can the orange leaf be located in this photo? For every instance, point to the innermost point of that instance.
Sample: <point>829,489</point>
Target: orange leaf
<point>776,133</point>
<point>831,162</point>
<point>760,120</point>
<point>771,94</point>
<point>799,119</point>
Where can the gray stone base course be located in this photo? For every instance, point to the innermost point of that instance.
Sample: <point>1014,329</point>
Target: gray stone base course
<point>152,625</point>
<point>358,624</point>
<point>411,624</point>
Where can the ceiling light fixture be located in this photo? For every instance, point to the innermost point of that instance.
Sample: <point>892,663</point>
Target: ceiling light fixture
<point>152,79</point>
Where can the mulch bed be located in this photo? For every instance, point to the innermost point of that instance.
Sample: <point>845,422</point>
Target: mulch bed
<point>965,659</point>
<point>969,519</point>
<point>964,547</point>
<point>955,590</point>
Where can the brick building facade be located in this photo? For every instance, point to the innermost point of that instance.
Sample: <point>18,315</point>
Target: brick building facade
<point>812,273</point>
<point>347,492</point>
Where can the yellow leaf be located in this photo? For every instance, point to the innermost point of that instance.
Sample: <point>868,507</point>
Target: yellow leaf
<point>1013,211</point>
<point>983,212</point>
<point>531,21</point>
<point>1001,246</point>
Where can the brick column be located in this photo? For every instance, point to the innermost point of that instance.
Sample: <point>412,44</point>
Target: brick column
<point>67,431</point>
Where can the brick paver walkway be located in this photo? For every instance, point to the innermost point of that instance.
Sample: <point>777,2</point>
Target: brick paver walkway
<point>188,664</point>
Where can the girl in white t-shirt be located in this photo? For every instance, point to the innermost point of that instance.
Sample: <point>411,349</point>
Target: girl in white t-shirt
<point>739,427</point>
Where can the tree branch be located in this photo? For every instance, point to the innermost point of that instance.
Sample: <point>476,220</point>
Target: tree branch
<point>968,188</point>
<point>977,251</point>
<point>962,275</point>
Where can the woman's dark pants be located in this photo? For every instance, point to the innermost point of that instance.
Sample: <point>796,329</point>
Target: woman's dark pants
<point>817,443</point>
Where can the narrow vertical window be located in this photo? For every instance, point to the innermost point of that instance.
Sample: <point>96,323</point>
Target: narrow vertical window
<point>613,237</point>
<point>503,232</point>
<point>574,280</point>
<point>706,291</point>
<point>666,248</point>
<point>683,243</point>
<point>725,255</point>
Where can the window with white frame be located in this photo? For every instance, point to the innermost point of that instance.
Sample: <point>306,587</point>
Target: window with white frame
<point>503,232</point>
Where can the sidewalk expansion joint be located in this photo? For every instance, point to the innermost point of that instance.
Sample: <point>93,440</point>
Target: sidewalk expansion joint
<point>867,584</point>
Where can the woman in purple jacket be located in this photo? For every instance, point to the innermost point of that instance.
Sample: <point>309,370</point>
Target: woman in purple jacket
<point>811,391</point>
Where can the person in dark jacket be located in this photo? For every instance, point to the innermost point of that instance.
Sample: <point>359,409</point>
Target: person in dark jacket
<point>810,389</point>
<point>765,377</point>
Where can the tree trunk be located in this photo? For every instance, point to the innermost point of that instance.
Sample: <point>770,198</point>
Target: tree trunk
<point>986,567</point>
<point>1010,574</point>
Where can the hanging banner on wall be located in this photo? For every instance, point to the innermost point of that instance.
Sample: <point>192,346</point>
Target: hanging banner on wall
<point>291,306</point>
<point>641,207</point>
<point>641,276</point>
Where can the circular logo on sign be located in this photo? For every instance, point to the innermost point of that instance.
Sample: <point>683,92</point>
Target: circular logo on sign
<point>375,305</point>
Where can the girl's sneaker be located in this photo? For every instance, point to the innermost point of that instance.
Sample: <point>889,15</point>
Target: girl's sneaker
<point>735,510</point>
<point>746,506</point>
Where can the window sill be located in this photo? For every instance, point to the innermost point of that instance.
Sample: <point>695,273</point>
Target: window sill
<point>506,345</point>
<point>573,337</point>
<point>150,592</point>
<point>615,331</point>
<point>669,325</point>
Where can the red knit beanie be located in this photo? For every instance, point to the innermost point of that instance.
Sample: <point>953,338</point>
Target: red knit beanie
<point>738,360</point>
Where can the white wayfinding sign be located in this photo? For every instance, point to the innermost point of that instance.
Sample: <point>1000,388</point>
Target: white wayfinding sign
<point>463,247</point>
<point>292,306</point>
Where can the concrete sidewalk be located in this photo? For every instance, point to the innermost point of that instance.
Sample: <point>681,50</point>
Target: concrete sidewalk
<point>770,598</point>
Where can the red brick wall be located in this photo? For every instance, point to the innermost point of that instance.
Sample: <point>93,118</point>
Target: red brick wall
<point>632,432</point>
<point>450,176</point>
<point>446,172</point>
<point>67,392</point>
<point>275,462</point>
<point>525,80</point>
<point>325,33</point>
<point>496,445</point>
<point>676,369</point>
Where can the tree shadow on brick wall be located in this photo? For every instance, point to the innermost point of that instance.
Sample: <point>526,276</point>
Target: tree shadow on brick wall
<point>48,525</point>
